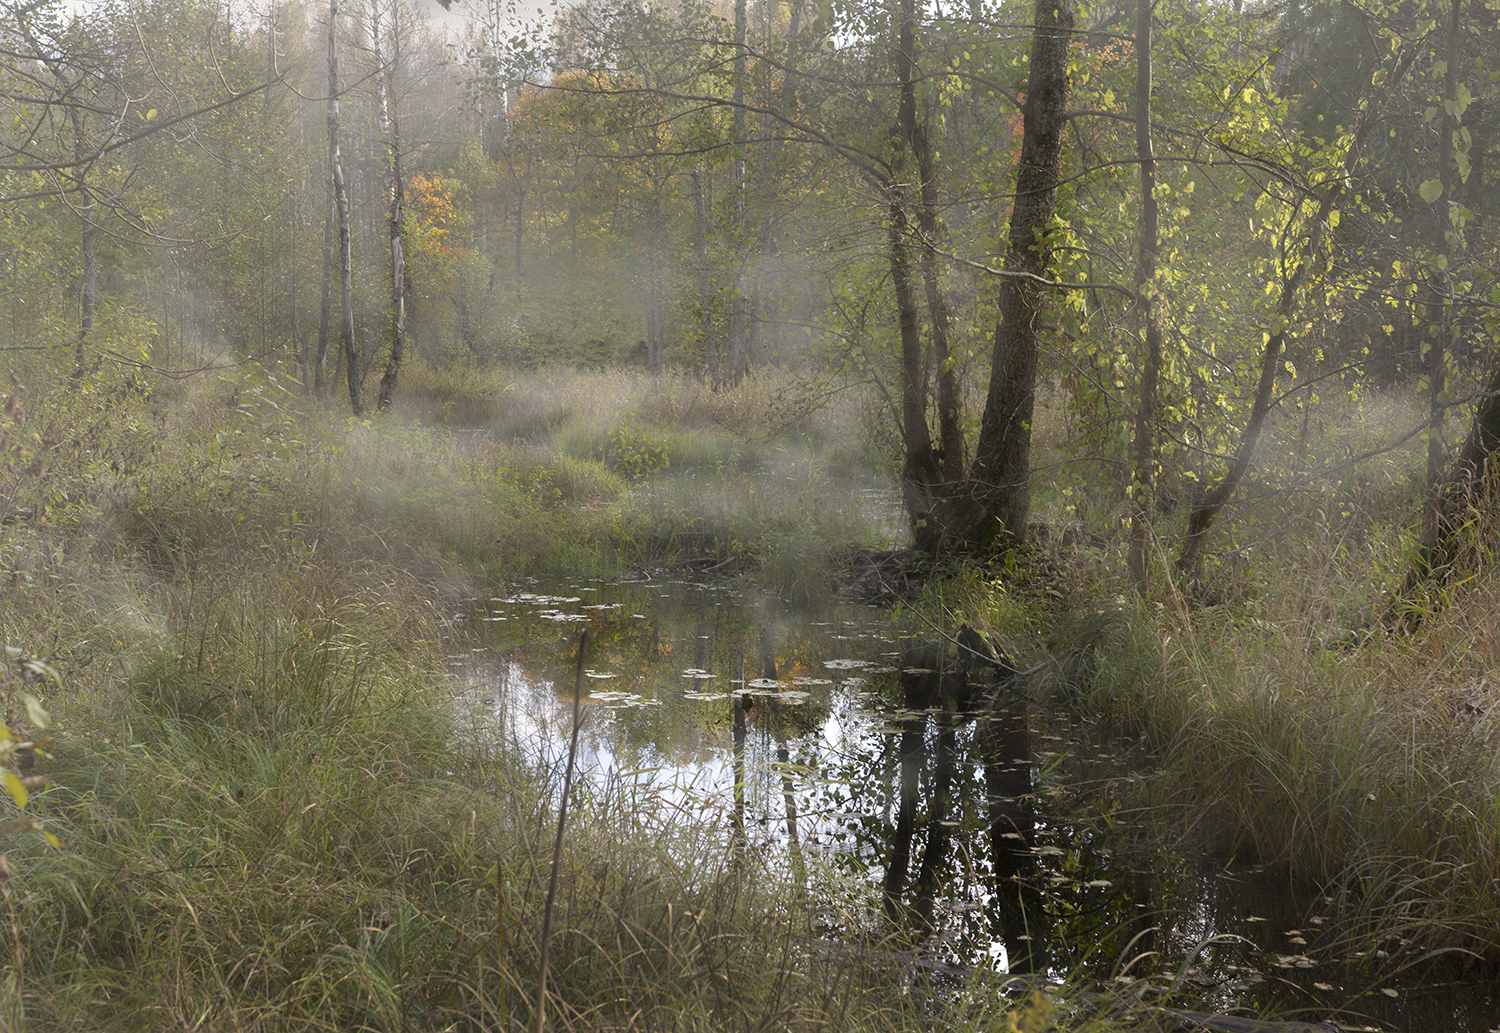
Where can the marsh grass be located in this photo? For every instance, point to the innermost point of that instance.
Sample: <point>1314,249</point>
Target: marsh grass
<point>273,824</point>
<point>277,813</point>
<point>1364,760</point>
<point>278,816</point>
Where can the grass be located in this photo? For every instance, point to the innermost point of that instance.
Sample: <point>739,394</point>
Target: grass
<point>277,815</point>
<point>276,812</point>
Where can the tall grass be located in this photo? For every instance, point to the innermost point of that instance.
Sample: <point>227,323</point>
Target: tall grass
<point>1294,729</point>
<point>272,825</point>
<point>277,814</point>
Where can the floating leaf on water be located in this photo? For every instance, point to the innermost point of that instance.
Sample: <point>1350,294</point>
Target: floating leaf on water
<point>1011,835</point>
<point>763,683</point>
<point>599,674</point>
<point>1390,993</point>
<point>1316,920</point>
<point>918,670</point>
<point>1254,918</point>
<point>845,665</point>
<point>1298,940</point>
<point>1322,986</point>
<point>1047,851</point>
<point>697,675</point>
<point>1099,883</point>
<point>880,670</point>
<point>705,695</point>
<point>803,679</point>
<point>610,697</point>
<point>793,696</point>
<point>856,683</point>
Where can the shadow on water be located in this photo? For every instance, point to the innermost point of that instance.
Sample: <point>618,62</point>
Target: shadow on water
<point>995,833</point>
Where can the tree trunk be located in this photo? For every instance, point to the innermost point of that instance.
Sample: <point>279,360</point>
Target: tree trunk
<point>88,294</point>
<point>705,285</point>
<point>1451,500</point>
<point>950,454</point>
<point>341,204</point>
<point>1213,499</point>
<point>325,315</point>
<point>390,130</point>
<point>739,322</point>
<point>1000,493</point>
<point>919,469</point>
<point>1439,287</point>
<point>1143,450</point>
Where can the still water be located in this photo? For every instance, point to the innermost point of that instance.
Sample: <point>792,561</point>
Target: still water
<point>1102,891</point>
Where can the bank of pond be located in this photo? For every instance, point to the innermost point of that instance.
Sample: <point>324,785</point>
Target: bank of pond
<point>942,805</point>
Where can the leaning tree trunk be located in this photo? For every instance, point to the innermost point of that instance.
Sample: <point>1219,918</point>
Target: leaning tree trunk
<point>341,205</point>
<point>1148,412</point>
<point>919,467</point>
<point>950,453</point>
<point>396,218</point>
<point>1215,498</point>
<point>999,495</point>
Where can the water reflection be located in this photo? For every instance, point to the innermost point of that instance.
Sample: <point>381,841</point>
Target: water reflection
<point>995,834</point>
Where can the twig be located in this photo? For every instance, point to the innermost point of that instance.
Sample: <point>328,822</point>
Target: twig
<point>562,820</point>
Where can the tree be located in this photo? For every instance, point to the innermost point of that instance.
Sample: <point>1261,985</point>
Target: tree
<point>341,212</point>
<point>998,499</point>
<point>1312,220</point>
<point>1148,410</point>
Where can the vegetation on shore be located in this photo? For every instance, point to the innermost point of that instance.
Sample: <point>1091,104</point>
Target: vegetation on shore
<point>277,814</point>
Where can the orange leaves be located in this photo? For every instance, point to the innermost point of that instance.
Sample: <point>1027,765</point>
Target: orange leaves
<point>430,203</point>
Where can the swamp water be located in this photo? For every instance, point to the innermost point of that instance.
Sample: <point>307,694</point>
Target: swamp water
<point>1095,890</point>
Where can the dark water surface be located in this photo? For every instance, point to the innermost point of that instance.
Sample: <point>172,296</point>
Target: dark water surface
<point>1104,892</point>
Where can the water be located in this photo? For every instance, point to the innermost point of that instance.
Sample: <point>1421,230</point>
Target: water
<point>1094,888</point>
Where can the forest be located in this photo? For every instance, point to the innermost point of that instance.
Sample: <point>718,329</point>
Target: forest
<point>382,375</point>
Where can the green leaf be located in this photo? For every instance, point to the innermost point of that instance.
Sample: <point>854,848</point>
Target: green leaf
<point>35,712</point>
<point>1431,190</point>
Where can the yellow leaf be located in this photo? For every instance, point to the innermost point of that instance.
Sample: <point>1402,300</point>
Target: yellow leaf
<point>14,787</point>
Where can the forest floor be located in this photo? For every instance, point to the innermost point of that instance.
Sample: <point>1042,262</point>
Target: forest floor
<point>272,817</point>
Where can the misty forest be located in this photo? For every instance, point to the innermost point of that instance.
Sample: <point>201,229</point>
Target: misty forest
<point>750,515</point>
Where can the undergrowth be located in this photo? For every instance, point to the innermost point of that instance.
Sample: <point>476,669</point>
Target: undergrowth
<point>277,814</point>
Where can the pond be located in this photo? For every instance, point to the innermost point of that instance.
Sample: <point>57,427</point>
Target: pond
<point>1090,887</point>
